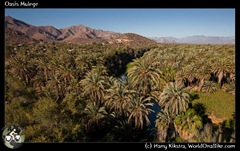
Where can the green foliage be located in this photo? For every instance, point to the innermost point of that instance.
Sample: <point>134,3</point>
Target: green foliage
<point>219,103</point>
<point>163,122</point>
<point>139,110</point>
<point>93,84</point>
<point>17,111</point>
<point>187,124</point>
<point>229,87</point>
<point>206,135</point>
<point>44,112</point>
<point>209,87</point>
<point>63,92</point>
<point>174,99</point>
<point>118,98</point>
<point>167,74</point>
<point>142,75</point>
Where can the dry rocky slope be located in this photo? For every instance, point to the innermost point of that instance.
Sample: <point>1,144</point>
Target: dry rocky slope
<point>18,31</point>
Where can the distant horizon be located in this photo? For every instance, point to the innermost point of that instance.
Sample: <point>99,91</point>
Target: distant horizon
<point>190,36</point>
<point>177,23</point>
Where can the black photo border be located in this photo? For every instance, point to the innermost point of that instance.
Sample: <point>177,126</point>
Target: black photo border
<point>105,5</point>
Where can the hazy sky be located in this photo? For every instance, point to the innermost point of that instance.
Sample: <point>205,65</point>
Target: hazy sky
<point>147,22</point>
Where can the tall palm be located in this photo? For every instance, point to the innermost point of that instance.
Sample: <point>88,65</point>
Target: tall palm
<point>93,86</point>
<point>66,74</point>
<point>231,59</point>
<point>143,75</point>
<point>163,122</point>
<point>168,74</point>
<point>43,65</point>
<point>139,111</point>
<point>209,86</point>
<point>202,74</point>
<point>118,97</point>
<point>39,83</point>
<point>73,87</point>
<point>110,82</point>
<point>206,134</point>
<point>94,114</point>
<point>177,66</point>
<point>220,67</point>
<point>188,124</point>
<point>82,65</point>
<point>170,59</point>
<point>122,129</point>
<point>230,87</point>
<point>190,71</point>
<point>53,86</point>
<point>174,98</point>
<point>180,76</point>
<point>20,68</point>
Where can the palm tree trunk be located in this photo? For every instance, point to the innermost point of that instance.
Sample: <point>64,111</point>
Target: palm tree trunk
<point>232,137</point>
<point>220,77</point>
<point>201,84</point>
<point>231,77</point>
<point>26,79</point>
<point>46,76</point>
<point>220,134</point>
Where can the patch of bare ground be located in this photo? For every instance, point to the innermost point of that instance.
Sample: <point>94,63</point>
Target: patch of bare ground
<point>214,119</point>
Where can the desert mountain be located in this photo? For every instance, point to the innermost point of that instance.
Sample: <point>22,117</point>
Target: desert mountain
<point>82,31</point>
<point>17,30</point>
<point>14,36</point>
<point>75,34</point>
<point>45,33</point>
<point>196,40</point>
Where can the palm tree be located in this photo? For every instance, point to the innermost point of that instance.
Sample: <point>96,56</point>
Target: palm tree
<point>66,75</point>
<point>187,124</point>
<point>122,130</point>
<point>168,74</point>
<point>139,110</point>
<point>177,66</point>
<point>93,86</point>
<point>20,68</point>
<point>73,87</point>
<point>82,65</point>
<point>180,76</point>
<point>209,86</point>
<point>191,58</point>
<point>163,122</point>
<point>190,71</point>
<point>94,114</point>
<point>174,98</point>
<point>39,83</point>
<point>229,87</point>
<point>206,134</point>
<point>118,98</point>
<point>53,87</point>
<point>142,75</point>
<point>110,81</point>
<point>220,67</point>
<point>233,137</point>
<point>231,59</point>
<point>43,65</point>
<point>202,73</point>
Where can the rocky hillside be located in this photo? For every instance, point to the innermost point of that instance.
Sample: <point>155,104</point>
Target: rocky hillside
<point>14,36</point>
<point>74,34</point>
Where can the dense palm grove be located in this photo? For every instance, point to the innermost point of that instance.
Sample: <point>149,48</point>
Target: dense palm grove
<point>103,93</point>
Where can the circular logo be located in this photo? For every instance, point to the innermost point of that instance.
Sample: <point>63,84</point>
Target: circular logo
<point>13,136</point>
